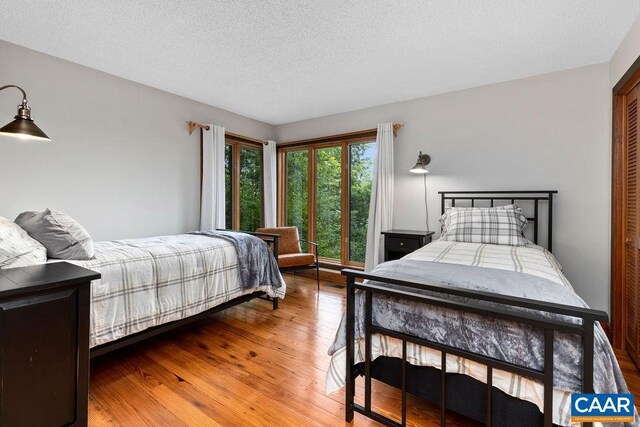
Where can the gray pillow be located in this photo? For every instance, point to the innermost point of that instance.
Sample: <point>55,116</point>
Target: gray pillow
<point>63,237</point>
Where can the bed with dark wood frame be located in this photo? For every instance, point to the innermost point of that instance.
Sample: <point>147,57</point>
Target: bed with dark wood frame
<point>272,241</point>
<point>456,392</point>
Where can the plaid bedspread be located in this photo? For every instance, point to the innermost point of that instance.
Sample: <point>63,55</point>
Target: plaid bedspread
<point>532,260</point>
<point>151,281</point>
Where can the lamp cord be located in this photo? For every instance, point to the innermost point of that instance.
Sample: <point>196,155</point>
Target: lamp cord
<point>426,204</point>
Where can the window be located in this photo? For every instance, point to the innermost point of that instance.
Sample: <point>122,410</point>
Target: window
<point>250,188</point>
<point>361,157</point>
<point>243,183</point>
<point>325,190</point>
<point>329,201</point>
<point>297,194</point>
<point>228,190</point>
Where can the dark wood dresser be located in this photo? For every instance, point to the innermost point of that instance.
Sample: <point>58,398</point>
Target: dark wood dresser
<point>44,345</point>
<point>398,243</point>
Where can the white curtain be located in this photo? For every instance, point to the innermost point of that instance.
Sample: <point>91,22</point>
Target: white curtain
<point>212,201</point>
<point>381,205</point>
<point>270,183</point>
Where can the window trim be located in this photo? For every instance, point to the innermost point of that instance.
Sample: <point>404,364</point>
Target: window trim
<point>237,142</point>
<point>312,145</point>
<point>349,136</point>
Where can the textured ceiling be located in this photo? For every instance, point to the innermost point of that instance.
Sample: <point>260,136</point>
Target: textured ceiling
<point>282,61</point>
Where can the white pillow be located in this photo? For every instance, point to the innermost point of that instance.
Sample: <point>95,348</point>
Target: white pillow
<point>17,249</point>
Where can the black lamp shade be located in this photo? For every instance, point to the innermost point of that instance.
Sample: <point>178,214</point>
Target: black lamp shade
<point>24,129</point>
<point>421,164</point>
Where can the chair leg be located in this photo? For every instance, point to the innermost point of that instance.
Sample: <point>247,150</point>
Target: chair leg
<point>318,276</point>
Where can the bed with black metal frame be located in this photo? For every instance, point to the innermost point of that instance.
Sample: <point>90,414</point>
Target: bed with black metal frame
<point>453,391</point>
<point>270,239</point>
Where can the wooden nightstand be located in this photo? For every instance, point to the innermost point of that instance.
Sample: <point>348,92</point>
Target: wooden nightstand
<point>44,342</point>
<point>398,243</point>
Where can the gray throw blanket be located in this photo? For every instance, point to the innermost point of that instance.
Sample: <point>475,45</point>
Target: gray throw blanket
<point>505,340</point>
<point>257,265</point>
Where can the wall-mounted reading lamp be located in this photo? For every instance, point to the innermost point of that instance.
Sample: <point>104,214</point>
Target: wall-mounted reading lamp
<point>421,164</point>
<point>421,168</point>
<point>23,126</point>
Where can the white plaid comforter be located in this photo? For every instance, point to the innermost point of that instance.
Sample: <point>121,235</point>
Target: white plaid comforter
<point>151,281</point>
<point>530,259</point>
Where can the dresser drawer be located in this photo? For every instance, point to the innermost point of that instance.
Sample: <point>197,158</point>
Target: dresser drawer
<point>402,244</point>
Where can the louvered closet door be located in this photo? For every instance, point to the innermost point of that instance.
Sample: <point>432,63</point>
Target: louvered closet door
<point>632,264</point>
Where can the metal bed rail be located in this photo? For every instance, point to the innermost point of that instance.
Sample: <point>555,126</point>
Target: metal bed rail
<point>512,197</point>
<point>473,305</point>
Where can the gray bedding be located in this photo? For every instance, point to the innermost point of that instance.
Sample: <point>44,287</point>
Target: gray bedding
<point>257,265</point>
<point>504,340</point>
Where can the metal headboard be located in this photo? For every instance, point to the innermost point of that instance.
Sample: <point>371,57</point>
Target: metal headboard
<point>513,197</point>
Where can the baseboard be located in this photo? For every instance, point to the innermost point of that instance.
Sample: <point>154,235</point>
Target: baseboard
<point>326,275</point>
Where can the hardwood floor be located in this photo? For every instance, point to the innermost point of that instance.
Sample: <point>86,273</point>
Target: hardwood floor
<point>248,365</point>
<point>631,374</point>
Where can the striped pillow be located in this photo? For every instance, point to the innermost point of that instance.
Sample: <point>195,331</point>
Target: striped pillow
<point>521,218</point>
<point>501,225</point>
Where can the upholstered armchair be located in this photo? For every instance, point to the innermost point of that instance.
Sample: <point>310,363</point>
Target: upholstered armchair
<point>289,252</point>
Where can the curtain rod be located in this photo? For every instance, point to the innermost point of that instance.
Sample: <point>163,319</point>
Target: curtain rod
<point>396,127</point>
<point>191,126</point>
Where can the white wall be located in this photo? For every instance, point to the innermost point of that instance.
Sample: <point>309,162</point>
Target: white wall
<point>625,55</point>
<point>545,132</point>
<point>121,161</point>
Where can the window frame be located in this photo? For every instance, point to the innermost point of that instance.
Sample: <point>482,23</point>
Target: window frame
<point>343,141</point>
<point>237,142</point>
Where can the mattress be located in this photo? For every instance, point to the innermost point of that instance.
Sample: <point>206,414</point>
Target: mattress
<point>530,259</point>
<point>151,281</point>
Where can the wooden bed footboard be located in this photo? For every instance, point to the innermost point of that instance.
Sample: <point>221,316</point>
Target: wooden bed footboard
<point>550,326</point>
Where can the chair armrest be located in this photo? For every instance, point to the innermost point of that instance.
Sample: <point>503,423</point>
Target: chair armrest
<point>315,247</point>
<point>308,241</point>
